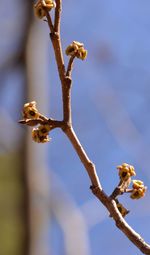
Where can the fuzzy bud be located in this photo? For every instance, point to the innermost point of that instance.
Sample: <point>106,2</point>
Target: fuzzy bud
<point>139,189</point>
<point>38,137</point>
<point>126,171</point>
<point>76,49</point>
<point>30,111</point>
<point>42,6</point>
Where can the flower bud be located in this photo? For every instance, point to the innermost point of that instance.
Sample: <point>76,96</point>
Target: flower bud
<point>44,129</point>
<point>76,49</point>
<point>42,6</point>
<point>139,189</point>
<point>126,171</point>
<point>38,137</point>
<point>30,111</point>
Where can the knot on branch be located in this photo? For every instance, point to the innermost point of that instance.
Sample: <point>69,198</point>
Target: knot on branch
<point>54,35</point>
<point>68,82</point>
<point>95,189</point>
<point>91,165</point>
<point>76,49</point>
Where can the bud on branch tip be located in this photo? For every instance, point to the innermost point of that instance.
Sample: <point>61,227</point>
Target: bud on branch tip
<point>42,6</point>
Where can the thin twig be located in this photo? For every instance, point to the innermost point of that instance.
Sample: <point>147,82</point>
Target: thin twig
<point>65,81</point>
<point>134,237</point>
<point>56,42</point>
<point>116,193</point>
<point>49,20</point>
<point>109,203</point>
<point>128,190</point>
<point>70,66</point>
<point>66,126</point>
<point>44,121</point>
<point>66,91</point>
<point>121,188</point>
<point>55,38</point>
<point>57,15</point>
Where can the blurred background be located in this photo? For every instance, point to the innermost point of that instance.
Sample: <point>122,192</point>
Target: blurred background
<point>46,207</point>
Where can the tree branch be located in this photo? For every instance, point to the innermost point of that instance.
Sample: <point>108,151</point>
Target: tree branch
<point>66,91</point>
<point>109,203</point>
<point>55,38</point>
<point>70,66</point>
<point>88,164</point>
<point>66,126</point>
<point>57,15</point>
<point>65,81</point>
<point>49,20</point>
<point>96,188</point>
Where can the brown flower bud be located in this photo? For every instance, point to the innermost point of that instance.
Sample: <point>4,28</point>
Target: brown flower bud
<point>38,137</point>
<point>42,6</point>
<point>30,111</point>
<point>76,49</point>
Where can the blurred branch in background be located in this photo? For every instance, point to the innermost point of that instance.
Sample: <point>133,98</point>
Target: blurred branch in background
<point>70,218</point>
<point>93,213</point>
<point>7,141</point>
<point>12,206</point>
<point>37,171</point>
<point>14,23</point>
<point>122,126</point>
<point>18,160</point>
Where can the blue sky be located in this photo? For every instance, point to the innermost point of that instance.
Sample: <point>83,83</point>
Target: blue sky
<point>110,105</point>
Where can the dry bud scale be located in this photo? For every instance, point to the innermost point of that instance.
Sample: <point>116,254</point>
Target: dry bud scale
<point>122,209</point>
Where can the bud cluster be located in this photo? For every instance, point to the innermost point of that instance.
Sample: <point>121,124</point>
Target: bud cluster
<point>76,49</point>
<point>137,191</point>
<point>31,114</point>
<point>126,171</point>
<point>42,6</point>
<point>30,111</point>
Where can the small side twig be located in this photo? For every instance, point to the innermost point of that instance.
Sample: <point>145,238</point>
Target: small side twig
<point>49,20</point>
<point>70,66</point>
<point>120,189</point>
<point>44,121</point>
<point>55,38</point>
